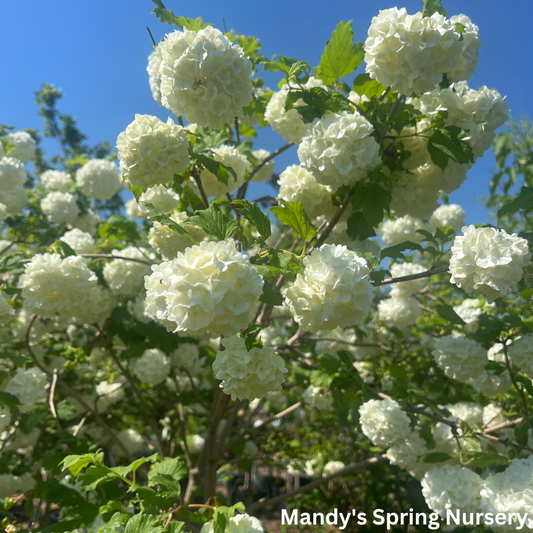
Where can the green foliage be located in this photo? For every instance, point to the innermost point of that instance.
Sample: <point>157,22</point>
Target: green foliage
<point>364,85</point>
<point>358,227</point>
<point>433,6</point>
<point>524,200</point>
<point>341,57</point>
<point>294,70</point>
<point>437,457</point>
<point>293,214</point>
<point>446,143</point>
<point>318,102</point>
<point>374,201</point>
<point>206,160</point>
<point>166,16</point>
<point>254,214</point>
<point>395,252</point>
<point>446,311</point>
<point>119,227</point>
<point>270,296</point>
<point>214,222</point>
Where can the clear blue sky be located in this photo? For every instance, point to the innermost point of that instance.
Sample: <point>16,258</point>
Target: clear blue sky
<point>96,52</point>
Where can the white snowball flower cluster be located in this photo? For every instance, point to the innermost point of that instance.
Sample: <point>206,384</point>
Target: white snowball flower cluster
<point>151,152</point>
<point>460,358</point>
<point>469,311</point>
<point>469,412</point>
<point>152,367</point>
<point>447,215</point>
<point>406,455</point>
<point>452,487</point>
<point>24,146</point>
<point>521,353</point>
<point>332,467</point>
<point>135,210</point>
<point>210,289</point>
<point>384,422</point>
<point>98,307</point>
<point>11,485</point>
<point>334,290</point>
<point>60,207</point>
<point>339,149</point>
<point>298,184</point>
<point>318,398</point>
<point>289,124</point>
<point>400,230</point>
<point>51,285</point>
<point>488,261</point>
<point>230,157</point>
<point>56,180</point>
<point>169,242</point>
<point>492,415</point>
<point>410,52</point>
<point>79,241</point>
<point>132,441</point>
<point>154,76</point>
<point>28,386</point>
<point>12,178</point>
<point>162,198</point>
<point>204,78</point>
<point>187,356</point>
<point>6,311</point>
<point>124,277</point>
<point>195,443</point>
<point>98,179</point>
<point>242,523</point>
<point>86,222</point>
<point>248,374</point>
<point>267,170</point>
<point>109,394</point>
<point>398,311</point>
<point>136,309</point>
<point>407,288</point>
<point>466,61</point>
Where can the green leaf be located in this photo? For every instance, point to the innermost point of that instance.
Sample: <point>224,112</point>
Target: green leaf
<point>293,69</point>
<point>328,364</point>
<point>143,523</point>
<point>340,57</point>
<point>521,432</point>
<point>433,6</point>
<point>167,221</point>
<point>378,276</point>
<point>175,468</point>
<point>190,198</point>
<point>395,252</point>
<point>176,527</point>
<point>446,143</point>
<point>219,521</point>
<point>254,214</point>
<point>318,101</point>
<point>446,311</point>
<point>270,296</point>
<point>483,460</point>
<point>214,222</point>
<point>76,463</point>
<point>374,201</point>
<point>166,16</point>
<point>95,475</point>
<point>117,520</point>
<point>11,402</point>
<point>206,160</point>
<point>523,201</point>
<point>364,85</point>
<point>120,227</point>
<point>437,457</point>
<point>66,250</point>
<point>358,227</point>
<point>293,214</point>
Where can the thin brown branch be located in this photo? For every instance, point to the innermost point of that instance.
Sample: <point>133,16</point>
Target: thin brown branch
<point>420,275</point>
<point>196,177</point>
<point>51,400</point>
<point>519,389</point>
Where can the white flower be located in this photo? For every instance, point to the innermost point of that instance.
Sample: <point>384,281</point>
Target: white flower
<point>492,415</point>
<point>98,179</point>
<point>466,61</point>
<point>28,386</point>
<point>289,124</point>
<point>152,367</point>
<point>169,242</point>
<point>332,467</point>
<point>339,149</point>
<point>161,197</point>
<point>136,309</point>
<point>135,210</point>
<point>51,285</point>
<point>124,277</point>
<point>447,215</point>
<point>241,523</point>
<point>469,412</point>
<point>132,441</point>
<point>108,394</point>
<point>407,288</point>
<point>151,152</point>
<point>398,311</point>
<point>11,485</point>
<point>195,443</point>
<point>488,261</point>
<point>267,170</point>
<point>400,230</point>
<point>521,353</point>
<point>452,487</point>
<point>98,306</point>
<point>230,157</point>
<point>410,52</point>
<point>318,398</point>
<point>6,311</point>
<point>384,422</point>
<point>187,356</point>
<point>86,222</point>
<point>79,241</point>
<point>24,146</point>
<point>154,76</point>
<point>469,311</point>
<point>460,358</point>
<point>56,180</point>
<point>204,78</point>
<point>210,289</point>
<point>60,207</point>
<point>12,178</point>
<point>405,455</point>
<point>248,374</point>
<point>297,184</point>
<point>333,291</point>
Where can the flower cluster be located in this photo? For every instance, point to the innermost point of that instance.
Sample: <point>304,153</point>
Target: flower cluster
<point>384,422</point>
<point>318,398</point>
<point>447,215</point>
<point>56,180</point>
<point>151,152</point>
<point>242,523</point>
<point>23,146</point>
<point>28,386</point>
<point>460,358</point>
<point>204,78</point>
<point>79,241</point>
<point>521,353</point>
<point>98,179</point>
<point>60,207</point>
<point>210,289</point>
<point>154,76</point>
<point>267,170</point>
<point>248,374</point>
<point>187,357</point>
<point>401,229</point>
<point>12,177</point>
<point>124,277</point>
<point>152,367</point>
<point>334,290</point>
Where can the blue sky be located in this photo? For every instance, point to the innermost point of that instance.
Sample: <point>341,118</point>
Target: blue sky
<point>96,51</point>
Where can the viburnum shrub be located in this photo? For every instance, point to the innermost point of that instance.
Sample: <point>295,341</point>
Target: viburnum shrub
<point>351,330</point>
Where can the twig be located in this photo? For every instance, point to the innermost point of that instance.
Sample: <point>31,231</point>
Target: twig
<point>108,256</point>
<point>51,401</point>
<point>515,384</point>
<point>420,275</point>
<point>196,177</point>
<point>237,134</point>
<point>151,36</point>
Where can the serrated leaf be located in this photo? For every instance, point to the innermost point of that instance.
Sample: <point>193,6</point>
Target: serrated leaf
<point>364,85</point>
<point>358,227</point>
<point>214,222</point>
<point>445,233</point>
<point>176,468</point>
<point>374,201</point>
<point>168,17</point>
<point>395,252</point>
<point>318,101</point>
<point>270,296</point>
<point>76,463</point>
<point>378,276</point>
<point>446,143</point>
<point>143,523</point>
<point>523,201</point>
<point>433,6</point>
<point>120,227</point>
<point>447,312</point>
<point>293,214</point>
<point>66,250</point>
<point>437,457</point>
<point>482,459</point>
<point>254,214</point>
<point>206,160</point>
<point>340,57</point>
